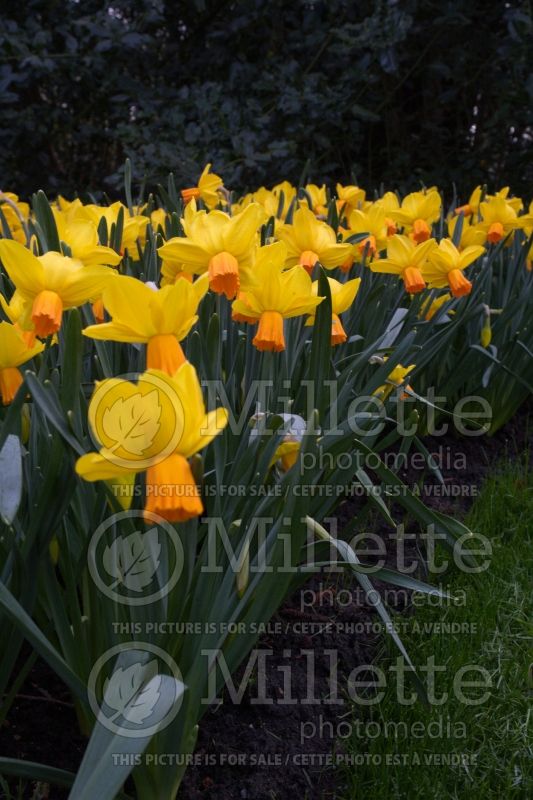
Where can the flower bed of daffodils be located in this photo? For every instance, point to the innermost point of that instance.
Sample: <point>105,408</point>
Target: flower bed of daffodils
<point>227,369</point>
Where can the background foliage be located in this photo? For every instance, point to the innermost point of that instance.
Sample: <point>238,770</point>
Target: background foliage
<point>380,89</point>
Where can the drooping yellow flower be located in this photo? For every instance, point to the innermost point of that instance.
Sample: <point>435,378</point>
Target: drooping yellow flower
<point>134,227</point>
<point>160,318</point>
<point>396,378</point>
<point>15,311</point>
<point>310,240</point>
<point>158,218</point>
<point>286,454</point>
<point>350,197</point>
<point>342,297</point>
<point>81,236</point>
<point>498,218</point>
<point>263,197</point>
<point>13,352</point>
<point>172,271</point>
<point>514,202</point>
<point>430,307</point>
<point>470,234</point>
<point>49,284</point>
<point>275,295</point>
<point>417,213</point>
<point>16,214</point>
<point>269,259</point>
<point>289,193</point>
<point>69,208</point>
<point>270,200</point>
<point>472,207</point>
<point>319,198</point>
<point>218,244</point>
<point>208,189</point>
<point>405,258</point>
<point>372,221</point>
<point>389,202</point>
<point>446,265</point>
<point>152,426</point>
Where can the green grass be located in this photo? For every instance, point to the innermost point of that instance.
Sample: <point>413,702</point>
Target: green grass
<point>495,736</point>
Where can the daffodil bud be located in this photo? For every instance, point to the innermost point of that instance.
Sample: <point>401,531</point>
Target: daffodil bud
<point>486,330</point>
<point>486,333</point>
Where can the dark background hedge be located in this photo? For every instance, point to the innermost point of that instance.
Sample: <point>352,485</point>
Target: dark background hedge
<point>392,91</point>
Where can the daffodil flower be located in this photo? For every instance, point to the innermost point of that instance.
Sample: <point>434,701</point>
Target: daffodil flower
<point>310,240</point>
<point>431,307</point>
<point>396,378</point>
<point>286,454</point>
<point>68,207</point>
<point>405,258</point>
<point>276,294</point>
<point>373,222</point>
<point>342,297</point>
<point>319,198</point>
<point>160,318</point>
<point>16,214</point>
<point>15,311</point>
<point>208,189</point>
<point>389,202</point>
<point>81,236</point>
<point>13,352</point>
<point>172,272</point>
<point>153,426</point>
<point>269,200</point>
<point>446,265</point>
<point>351,197</point>
<point>417,213</point>
<point>470,234</point>
<point>498,218</point>
<point>472,207</point>
<point>133,230</point>
<point>49,284</point>
<point>158,218</point>
<point>218,244</point>
<point>289,193</point>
